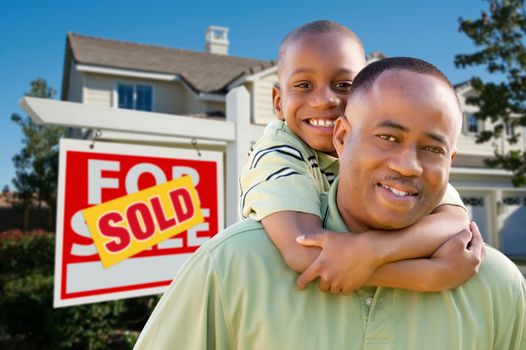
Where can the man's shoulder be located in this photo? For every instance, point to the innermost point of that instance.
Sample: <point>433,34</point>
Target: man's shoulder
<point>500,273</point>
<point>247,233</point>
<point>242,250</point>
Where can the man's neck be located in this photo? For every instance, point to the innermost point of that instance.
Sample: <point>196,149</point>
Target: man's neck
<point>341,220</point>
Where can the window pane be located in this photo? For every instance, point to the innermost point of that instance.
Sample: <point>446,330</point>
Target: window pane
<point>144,98</point>
<point>473,123</point>
<point>125,96</point>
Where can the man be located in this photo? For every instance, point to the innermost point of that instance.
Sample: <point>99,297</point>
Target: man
<point>395,147</point>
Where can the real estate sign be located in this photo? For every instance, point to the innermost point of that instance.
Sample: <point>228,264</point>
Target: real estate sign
<point>149,207</point>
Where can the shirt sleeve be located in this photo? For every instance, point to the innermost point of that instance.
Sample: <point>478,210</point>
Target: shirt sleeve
<point>277,177</point>
<point>452,197</point>
<point>190,313</point>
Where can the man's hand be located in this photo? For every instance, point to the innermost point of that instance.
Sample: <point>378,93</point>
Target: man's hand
<point>458,259</point>
<point>344,264</point>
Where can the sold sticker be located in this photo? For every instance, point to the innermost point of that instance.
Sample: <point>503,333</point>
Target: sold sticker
<point>128,225</point>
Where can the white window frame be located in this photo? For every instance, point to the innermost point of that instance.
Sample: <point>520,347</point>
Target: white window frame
<point>480,124</point>
<point>115,94</point>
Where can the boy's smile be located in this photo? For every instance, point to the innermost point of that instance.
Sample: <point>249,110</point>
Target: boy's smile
<point>315,76</point>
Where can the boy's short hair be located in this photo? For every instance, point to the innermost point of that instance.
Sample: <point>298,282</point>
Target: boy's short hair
<point>313,28</point>
<point>368,75</point>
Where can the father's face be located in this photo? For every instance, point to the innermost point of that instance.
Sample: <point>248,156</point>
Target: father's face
<point>395,149</point>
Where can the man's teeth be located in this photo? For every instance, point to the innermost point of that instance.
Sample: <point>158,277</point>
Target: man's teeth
<point>321,122</point>
<point>396,192</point>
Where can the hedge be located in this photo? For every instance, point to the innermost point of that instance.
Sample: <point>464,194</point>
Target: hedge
<point>27,317</point>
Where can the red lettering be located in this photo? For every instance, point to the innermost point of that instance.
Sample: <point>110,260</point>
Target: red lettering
<point>120,234</point>
<point>140,221</point>
<point>182,204</point>
<point>163,222</point>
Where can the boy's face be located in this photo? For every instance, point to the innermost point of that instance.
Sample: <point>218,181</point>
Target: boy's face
<point>315,78</point>
<point>396,146</point>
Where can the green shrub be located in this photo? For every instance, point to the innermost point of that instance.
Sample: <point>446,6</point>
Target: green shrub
<point>28,319</point>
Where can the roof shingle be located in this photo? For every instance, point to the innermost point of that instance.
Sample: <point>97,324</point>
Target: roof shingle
<point>204,72</point>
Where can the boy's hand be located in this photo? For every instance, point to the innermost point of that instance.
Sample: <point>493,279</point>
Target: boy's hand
<point>344,264</point>
<point>458,259</point>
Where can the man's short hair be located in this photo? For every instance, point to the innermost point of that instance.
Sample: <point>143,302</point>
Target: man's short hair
<point>367,76</point>
<point>313,28</point>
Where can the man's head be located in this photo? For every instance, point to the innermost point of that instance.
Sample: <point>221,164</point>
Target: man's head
<point>396,144</point>
<point>316,66</point>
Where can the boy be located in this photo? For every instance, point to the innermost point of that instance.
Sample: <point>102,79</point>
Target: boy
<point>295,160</point>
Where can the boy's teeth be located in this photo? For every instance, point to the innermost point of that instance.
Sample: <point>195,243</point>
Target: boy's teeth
<point>321,122</point>
<point>396,192</point>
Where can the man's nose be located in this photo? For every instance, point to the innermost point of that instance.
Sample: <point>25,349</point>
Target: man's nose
<point>406,162</point>
<point>325,98</point>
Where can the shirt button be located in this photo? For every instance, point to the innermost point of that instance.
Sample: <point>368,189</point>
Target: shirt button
<point>369,301</point>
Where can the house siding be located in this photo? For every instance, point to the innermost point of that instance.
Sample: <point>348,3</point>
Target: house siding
<point>98,90</point>
<point>75,85</point>
<point>466,141</point>
<point>262,99</point>
<point>194,105</point>
<point>170,97</point>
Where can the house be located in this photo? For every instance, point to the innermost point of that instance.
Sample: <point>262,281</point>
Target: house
<point>119,74</point>
<point>164,80</point>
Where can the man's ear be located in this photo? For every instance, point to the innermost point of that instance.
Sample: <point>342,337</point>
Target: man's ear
<point>342,130</point>
<point>276,102</point>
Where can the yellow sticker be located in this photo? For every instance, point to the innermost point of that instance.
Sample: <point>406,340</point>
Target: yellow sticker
<point>128,225</point>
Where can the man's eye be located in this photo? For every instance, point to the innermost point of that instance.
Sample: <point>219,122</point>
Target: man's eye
<point>434,149</point>
<point>389,138</point>
<point>343,85</point>
<point>303,85</point>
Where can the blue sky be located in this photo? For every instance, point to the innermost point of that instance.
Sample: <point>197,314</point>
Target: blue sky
<point>33,35</point>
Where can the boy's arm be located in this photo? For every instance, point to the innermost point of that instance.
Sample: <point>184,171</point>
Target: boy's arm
<point>460,255</point>
<point>283,227</point>
<point>422,238</point>
<point>338,262</point>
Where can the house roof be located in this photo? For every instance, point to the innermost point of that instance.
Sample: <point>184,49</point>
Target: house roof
<point>202,71</point>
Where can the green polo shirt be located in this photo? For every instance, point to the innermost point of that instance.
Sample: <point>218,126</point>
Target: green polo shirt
<point>284,173</point>
<point>236,292</point>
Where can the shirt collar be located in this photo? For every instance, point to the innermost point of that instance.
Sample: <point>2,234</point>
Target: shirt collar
<point>332,219</point>
<point>325,160</point>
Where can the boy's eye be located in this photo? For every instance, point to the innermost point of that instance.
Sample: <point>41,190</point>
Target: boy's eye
<point>434,149</point>
<point>343,85</point>
<point>389,138</point>
<point>303,85</point>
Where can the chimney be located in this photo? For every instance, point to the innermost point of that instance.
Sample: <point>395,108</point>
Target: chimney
<point>217,40</point>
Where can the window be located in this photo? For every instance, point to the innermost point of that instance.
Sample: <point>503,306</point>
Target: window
<point>135,96</point>
<point>510,129</point>
<point>472,123</point>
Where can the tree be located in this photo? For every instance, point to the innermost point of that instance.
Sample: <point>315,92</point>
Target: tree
<point>500,38</point>
<point>37,163</point>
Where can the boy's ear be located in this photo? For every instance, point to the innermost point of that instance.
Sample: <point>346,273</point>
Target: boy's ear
<point>453,155</point>
<point>342,131</point>
<point>276,102</point>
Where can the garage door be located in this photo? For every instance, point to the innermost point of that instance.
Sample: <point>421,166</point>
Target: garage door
<point>477,205</point>
<point>513,232</point>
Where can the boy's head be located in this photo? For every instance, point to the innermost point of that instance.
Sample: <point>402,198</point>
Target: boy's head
<point>396,143</point>
<point>316,66</point>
